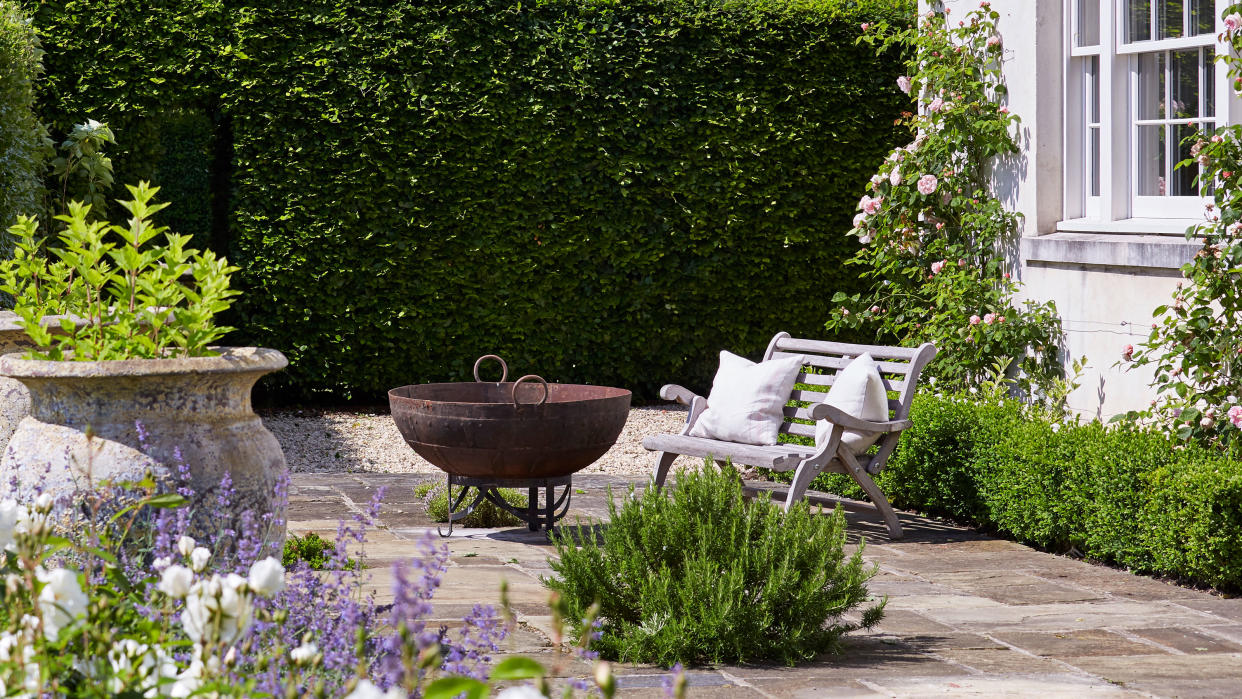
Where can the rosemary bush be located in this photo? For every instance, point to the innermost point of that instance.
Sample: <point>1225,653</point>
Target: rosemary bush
<point>700,575</point>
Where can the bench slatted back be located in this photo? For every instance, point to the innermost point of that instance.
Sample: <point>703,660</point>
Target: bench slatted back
<point>899,367</point>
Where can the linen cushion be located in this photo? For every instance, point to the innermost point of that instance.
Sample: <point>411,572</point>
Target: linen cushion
<point>858,391</point>
<point>747,400</point>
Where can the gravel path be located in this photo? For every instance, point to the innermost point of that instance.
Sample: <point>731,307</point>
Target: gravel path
<point>368,441</point>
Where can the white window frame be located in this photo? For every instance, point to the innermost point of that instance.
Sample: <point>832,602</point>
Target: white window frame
<point>1117,76</point>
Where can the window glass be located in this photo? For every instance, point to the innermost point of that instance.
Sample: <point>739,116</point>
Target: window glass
<point>1209,82</point>
<point>1151,85</point>
<point>1169,18</point>
<point>1088,22</point>
<point>1149,164</point>
<point>1138,20</point>
<point>1184,84</point>
<point>1182,179</point>
<point>1202,17</point>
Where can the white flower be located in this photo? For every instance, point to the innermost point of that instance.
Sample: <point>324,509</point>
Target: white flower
<point>366,690</point>
<point>43,503</point>
<point>859,220</point>
<point>304,654</point>
<point>217,610</point>
<point>199,558</point>
<point>161,563</point>
<point>176,581</point>
<point>8,642</point>
<point>903,83</point>
<point>267,577</point>
<point>9,513</point>
<point>61,602</point>
<point>139,666</point>
<point>525,691</point>
<point>30,522</point>
<point>186,545</point>
<point>894,177</point>
<point>189,681</point>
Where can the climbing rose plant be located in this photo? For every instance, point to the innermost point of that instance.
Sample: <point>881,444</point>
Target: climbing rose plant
<point>1195,344</point>
<point>931,228</point>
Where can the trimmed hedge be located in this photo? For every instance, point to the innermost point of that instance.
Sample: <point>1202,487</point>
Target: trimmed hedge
<point>21,136</point>
<point>599,191</point>
<point>1119,495</point>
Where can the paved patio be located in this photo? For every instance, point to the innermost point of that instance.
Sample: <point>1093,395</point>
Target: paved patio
<point>968,615</point>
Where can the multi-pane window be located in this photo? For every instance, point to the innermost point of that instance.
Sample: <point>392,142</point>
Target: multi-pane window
<point>1142,79</point>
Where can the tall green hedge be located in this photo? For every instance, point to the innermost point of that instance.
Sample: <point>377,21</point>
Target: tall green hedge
<point>21,136</point>
<point>598,190</point>
<point>1121,495</point>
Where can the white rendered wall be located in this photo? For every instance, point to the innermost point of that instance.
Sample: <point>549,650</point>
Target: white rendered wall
<point>1105,286</point>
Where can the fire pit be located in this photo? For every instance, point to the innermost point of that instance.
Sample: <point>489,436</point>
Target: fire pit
<point>521,434</point>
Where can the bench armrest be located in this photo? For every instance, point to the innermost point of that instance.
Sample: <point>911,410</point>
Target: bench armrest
<point>823,411</point>
<point>677,393</point>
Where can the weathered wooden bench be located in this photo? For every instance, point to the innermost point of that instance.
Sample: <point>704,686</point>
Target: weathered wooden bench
<point>900,368</point>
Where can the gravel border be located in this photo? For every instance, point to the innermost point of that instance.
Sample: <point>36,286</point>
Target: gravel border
<point>367,441</point>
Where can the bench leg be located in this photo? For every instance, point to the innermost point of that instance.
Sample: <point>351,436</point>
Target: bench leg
<point>664,461</point>
<point>860,476</point>
<point>806,473</point>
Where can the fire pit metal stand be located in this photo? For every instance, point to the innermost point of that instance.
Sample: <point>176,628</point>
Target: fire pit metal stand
<point>536,517</point>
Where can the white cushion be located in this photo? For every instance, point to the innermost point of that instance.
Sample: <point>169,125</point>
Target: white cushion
<point>859,392</point>
<point>747,401</point>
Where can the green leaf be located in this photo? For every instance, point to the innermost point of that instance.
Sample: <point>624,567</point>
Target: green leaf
<point>451,687</point>
<point>518,668</point>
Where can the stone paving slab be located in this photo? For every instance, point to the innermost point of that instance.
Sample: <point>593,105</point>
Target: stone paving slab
<point>968,615</point>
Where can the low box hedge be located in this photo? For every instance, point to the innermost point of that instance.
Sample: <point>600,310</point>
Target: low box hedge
<point>1121,495</point>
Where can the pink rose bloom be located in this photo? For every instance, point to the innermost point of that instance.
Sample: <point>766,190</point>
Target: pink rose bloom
<point>937,266</point>
<point>927,184</point>
<point>875,309</point>
<point>961,263</point>
<point>988,318</point>
<point>865,26</point>
<point>859,220</point>
<point>1003,110</point>
<point>1127,352</point>
<point>936,105</point>
<point>864,239</point>
<point>1206,422</point>
<point>1235,416</point>
<point>870,206</point>
<point>904,84</point>
<point>974,320</point>
<point>1233,22</point>
<point>1000,319</point>
<point>894,177</point>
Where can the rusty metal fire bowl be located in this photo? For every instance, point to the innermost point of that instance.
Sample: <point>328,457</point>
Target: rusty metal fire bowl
<point>517,434</point>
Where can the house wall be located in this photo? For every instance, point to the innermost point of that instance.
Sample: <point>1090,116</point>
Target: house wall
<point>1104,278</point>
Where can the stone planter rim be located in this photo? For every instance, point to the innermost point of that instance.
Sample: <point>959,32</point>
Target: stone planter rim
<point>230,360</point>
<point>9,321</point>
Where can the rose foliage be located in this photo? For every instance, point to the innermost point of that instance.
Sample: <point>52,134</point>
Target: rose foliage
<point>931,227</point>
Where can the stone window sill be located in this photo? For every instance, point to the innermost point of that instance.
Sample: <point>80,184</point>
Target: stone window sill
<point>1110,249</point>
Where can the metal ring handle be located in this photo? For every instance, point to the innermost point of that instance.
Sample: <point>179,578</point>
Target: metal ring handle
<point>504,368</point>
<point>525,378</point>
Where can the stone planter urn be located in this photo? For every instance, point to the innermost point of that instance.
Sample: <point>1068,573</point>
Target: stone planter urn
<point>169,417</point>
<point>14,398</point>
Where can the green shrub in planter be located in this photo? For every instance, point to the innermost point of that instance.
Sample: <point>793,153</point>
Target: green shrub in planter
<point>698,574</point>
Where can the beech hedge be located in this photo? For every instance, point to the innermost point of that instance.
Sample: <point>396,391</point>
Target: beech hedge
<point>21,135</point>
<point>1120,495</point>
<point>599,191</point>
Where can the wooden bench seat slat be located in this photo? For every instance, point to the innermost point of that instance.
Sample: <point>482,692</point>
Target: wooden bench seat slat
<point>797,346</point>
<point>799,429</point>
<point>781,457</point>
<point>828,380</point>
<point>902,368</point>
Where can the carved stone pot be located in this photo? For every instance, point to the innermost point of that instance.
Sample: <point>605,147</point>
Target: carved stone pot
<point>170,417</point>
<point>14,398</point>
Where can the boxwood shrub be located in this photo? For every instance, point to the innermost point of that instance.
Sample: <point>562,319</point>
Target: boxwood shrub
<point>702,575</point>
<point>1121,495</point>
<point>605,191</point>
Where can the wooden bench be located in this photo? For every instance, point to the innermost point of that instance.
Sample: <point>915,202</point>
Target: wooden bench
<point>900,368</point>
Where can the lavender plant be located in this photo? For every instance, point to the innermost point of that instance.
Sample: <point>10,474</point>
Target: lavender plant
<point>130,603</point>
